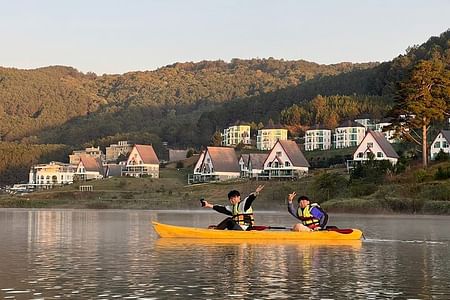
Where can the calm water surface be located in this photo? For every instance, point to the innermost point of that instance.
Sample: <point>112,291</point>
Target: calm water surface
<point>105,254</point>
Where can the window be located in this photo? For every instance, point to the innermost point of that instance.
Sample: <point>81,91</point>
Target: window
<point>278,154</point>
<point>444,144</point>
<point>287,164</point>
<point>360,155</point>
<point>437,145</point>
<point>380,154</point>
<point>369,145</point>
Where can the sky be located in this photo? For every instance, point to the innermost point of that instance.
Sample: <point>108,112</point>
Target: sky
<point>115,37</point>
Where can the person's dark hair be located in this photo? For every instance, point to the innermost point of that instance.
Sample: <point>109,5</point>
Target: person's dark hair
<point>302,198</point>
<point>233,193</point>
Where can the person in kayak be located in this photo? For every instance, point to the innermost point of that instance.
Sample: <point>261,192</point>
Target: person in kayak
<point>312,216</point>
<point>241,212</point>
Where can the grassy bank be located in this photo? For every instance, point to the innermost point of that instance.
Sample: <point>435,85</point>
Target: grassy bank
<point>415,191</point>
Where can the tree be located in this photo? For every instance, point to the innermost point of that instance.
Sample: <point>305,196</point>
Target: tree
<point>216,139</point>
<point>422,98</point>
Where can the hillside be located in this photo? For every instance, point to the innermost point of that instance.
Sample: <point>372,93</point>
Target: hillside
<point>185,103</point>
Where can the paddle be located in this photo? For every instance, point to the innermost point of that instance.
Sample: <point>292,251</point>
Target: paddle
<point>328,228</point>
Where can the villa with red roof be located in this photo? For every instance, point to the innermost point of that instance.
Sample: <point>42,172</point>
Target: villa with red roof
<point>142,161</point>
<point>89,167</point>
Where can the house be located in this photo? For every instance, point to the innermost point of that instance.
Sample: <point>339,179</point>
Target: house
<point>89,168</point>
<point>375,143</point>
<point>243,164</point>
<point>366,121</point>
<point>317,138</point>
<point>348,134</point>
<point>267,137</point>
<point>142,161</point>
<point>95,152</point>
<point>440,142</point>
<point>177,155</point>
<point>114,151</point>
<point>216,164</point>
<point>234,135</point>
<point>285,160</point>
<point>389,134</point>
<point>252,164</point>
<point>53,173</point>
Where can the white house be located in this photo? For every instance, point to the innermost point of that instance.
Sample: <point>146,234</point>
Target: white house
<point>53,173</point>
<point>440,142</point>
<point>216,164</point>
<point>256,164</point>
<point>234,135</point>
<point>376,144</point>
<point>285,160</point>
<point>348,134</point>
<point>142,161</point>
<point>317,138</point>
<point>389,134</point>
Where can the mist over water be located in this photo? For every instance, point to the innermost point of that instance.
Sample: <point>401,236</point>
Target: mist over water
<point>115,254</point>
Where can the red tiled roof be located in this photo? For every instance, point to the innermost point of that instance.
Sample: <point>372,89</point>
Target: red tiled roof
<point>91,164</point>
<point>147,154</point>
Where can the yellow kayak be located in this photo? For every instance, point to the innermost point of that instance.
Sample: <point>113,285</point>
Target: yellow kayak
<point>171,231</point>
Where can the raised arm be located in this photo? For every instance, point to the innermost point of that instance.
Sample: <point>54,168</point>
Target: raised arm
<point>250,198</point>
<point>291,208</point>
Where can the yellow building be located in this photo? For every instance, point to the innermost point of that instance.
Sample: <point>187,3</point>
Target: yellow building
<point>234,135</point>
<point>268,137</point>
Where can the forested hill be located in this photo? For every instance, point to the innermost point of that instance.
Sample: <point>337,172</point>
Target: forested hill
<point>185,103</point>
<point>34,101</point>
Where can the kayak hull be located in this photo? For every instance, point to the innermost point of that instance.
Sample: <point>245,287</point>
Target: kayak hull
<point>172,231</point>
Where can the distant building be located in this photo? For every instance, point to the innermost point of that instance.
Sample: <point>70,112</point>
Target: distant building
<point>376,145</point>
<point>440,142</point>
<point>53,173</point>
<point>234,135</point>
<point>348,134</point>
<point>268,137</point>
<point>95,152</point>
<point>89,168</point>
<point>366,121</point>
<point>142,161</point>
<point>114,151</point>
<point>216,164</point>
<point>285,160</point>
<point>317,138</point>
<point>177,155</point>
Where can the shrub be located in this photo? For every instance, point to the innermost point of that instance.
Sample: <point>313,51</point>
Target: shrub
<point>442,174</point>
<point>442,156</point>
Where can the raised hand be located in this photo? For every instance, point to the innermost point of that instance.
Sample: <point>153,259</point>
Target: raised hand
<point>259,189</point>
<point>291,196</point>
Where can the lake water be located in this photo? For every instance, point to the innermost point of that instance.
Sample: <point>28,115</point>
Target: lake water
<point>115,254</point>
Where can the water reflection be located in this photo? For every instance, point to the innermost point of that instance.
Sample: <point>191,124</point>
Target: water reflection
<point>72,254</point>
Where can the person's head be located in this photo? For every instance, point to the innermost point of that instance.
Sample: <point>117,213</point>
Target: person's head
<point>234,197</point>
<point>303,201</point>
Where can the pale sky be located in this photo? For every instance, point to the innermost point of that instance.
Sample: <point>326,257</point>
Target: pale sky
<point>111,36</point>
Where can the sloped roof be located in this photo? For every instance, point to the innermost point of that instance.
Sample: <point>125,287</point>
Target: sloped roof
<point>384,144</point>
<point>294,153</point>
<point>257,160</point>
<point>175,155</point>
<point>350,123</point>
<point>446,134</point>
<point>147,154</point>
<point>245,158</point>
<point>91,164</point>
<point>224,159</point>
<point>113,170</point>
<point>318,127</point>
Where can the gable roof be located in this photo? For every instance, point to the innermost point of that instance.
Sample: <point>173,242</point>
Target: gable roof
<point>257,160</point>
<point>223,159</point>
<point>446,134</point>
<point>175,155</point>
<point>294,153</point>
<point>383,143</point>
<point>245,158</point>
<point>147,154</point>
<point>91,164</point>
